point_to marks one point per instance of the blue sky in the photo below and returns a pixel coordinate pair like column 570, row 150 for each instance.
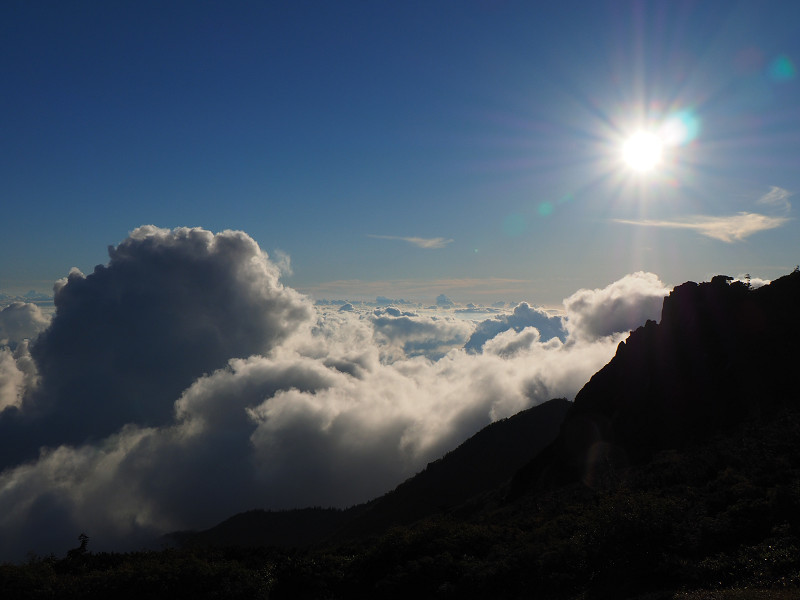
column 405, row 149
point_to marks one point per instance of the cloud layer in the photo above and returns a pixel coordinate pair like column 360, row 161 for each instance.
column 199, row 386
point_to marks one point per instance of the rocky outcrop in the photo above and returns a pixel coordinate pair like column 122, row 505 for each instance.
column 721, row 354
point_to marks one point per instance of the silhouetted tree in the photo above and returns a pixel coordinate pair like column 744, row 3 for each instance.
column 81, row 549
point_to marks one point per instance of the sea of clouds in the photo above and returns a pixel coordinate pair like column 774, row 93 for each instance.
column 182, row 382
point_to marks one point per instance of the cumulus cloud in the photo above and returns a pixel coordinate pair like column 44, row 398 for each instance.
column 169, row 306
column 619, row 307
column 443, row 301
column 426, row 243
column 19, row 321
column 524, row 316
column 312, row 407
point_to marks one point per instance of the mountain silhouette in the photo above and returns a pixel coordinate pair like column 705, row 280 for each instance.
column 722, row 353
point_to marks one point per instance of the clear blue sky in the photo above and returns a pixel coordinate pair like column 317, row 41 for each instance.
column 350, row 134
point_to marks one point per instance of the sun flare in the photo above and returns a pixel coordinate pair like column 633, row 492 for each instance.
column 642, row 151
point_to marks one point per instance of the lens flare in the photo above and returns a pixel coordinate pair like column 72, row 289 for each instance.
column 680, row 128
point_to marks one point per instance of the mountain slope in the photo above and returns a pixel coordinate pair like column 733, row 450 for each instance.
column 480, row 464
column 722, row 354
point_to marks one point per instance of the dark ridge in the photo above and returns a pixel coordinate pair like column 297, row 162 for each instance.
column 722, row 354
column 481, row 464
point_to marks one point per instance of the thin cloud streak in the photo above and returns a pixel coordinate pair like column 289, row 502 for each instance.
column 426, row 243
column 730, row 229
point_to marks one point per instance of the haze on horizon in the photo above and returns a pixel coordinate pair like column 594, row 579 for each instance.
column 188, row 179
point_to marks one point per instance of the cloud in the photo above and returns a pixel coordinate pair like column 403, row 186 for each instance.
column 383, row 300
column 733, row 228
column 619, row 307
column 443, row 301
column 524, row 316
column 427, row 243
column 305, row 406
column 777, row 198
column 125, row 340
column 431, row 336
column 755, row 282
column 510, row 342
column 17, row 374
column 19, row 321
column 283, row 261
column 727, row 229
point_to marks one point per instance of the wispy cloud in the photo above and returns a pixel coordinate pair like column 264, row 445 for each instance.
column 427, row 243
column 777, row 198
column 734, row 228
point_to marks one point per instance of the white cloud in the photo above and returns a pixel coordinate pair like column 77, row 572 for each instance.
column 281, row 432
column 329, row 410
column 730, row 228
column 19, row 321
column 522, row 317
column 755, row 282
column 427, row 243
column 726, row 229
column 618, row 307
column 443, row 301
column 169, row 306
column 777, row 198
column 431, row 336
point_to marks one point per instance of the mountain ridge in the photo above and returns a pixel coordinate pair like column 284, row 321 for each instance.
column 722, row 353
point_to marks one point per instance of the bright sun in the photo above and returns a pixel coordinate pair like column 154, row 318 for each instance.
column 642, row 151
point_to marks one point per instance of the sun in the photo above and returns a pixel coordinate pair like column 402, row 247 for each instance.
column 643, row 151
